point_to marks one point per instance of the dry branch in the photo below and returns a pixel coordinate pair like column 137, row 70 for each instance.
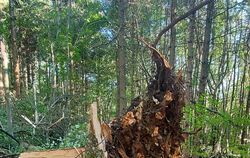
column 192, row 11
column 55, row 123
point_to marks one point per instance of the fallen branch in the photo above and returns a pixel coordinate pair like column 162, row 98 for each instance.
column 29, row 121
column 53, row 124
column 1, row 130
column 192, row 11
column 193, row 132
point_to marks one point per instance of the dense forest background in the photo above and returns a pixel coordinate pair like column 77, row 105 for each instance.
column 59, row 56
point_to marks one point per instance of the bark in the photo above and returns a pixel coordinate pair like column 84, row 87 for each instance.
column 245, row 114
column 190, row 67
column 53, row 78
column 23, row 76
column 34, row 90
column 2, row 94
column 190, row 53
column 121, row 98
column 67, row 61
column 72, row 85
column 173, row 34
column 246, row 129
column 166, row 41
column 234, row 80
column 28, row 67
column 14, row 49
column 204, row 62
column 68, row 50
column 134, row 50
column 6, row 87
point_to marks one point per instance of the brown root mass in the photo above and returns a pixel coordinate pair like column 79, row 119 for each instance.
column 151, row 127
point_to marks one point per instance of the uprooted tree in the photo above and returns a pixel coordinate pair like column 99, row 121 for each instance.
column 151, row 127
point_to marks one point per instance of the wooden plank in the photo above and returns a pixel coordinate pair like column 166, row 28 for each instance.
column 60, row 153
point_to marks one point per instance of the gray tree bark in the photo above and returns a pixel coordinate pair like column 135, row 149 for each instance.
column 190, row 53
column 204, row 62
column 173, row 34
column 2, row 94
column 121, row 98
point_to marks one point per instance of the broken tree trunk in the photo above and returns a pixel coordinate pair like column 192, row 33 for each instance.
column 152, row 127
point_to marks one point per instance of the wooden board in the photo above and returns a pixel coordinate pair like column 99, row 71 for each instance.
column 61, row 153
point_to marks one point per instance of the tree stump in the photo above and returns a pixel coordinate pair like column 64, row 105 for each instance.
column 151, row 127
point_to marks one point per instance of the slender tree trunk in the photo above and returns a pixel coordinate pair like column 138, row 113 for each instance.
column 34, row 89
column 28, row 67
column 23, row 76
column 72, row 85
column 190, row 53
column 121, row 98
column 53, row 78
column 58, row 9
column 2, row 94
column 190, row 66
column 6, row 87
column 68, row 58
column 173, row 34
column 245, row 114
column 14, row 49
column 134, row 51
column 204, row 62
column 165, row 46
column 245, row 130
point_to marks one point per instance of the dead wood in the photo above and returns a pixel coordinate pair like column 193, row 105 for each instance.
column 151, row 128
column 192, row 11
column 98, row 130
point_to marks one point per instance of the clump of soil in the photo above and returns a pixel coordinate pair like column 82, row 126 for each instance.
column 151, row 127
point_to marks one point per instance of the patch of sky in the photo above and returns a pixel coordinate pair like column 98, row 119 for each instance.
column 107, row 32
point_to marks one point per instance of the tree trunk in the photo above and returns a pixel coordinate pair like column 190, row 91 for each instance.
column 34, row 89
column 173, row 34
column 134, row 51
column 14, row 49
column 6, row 87
column 2, row 94
column 166, row 40
column 190, row 66
column 121, row 98
column 204, row 62
column 190, row 53
column 68, row 59
column 53, row 77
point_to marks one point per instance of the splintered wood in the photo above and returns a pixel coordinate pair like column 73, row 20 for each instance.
column 60, row 153
column 97, row 129
column 151, row 127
